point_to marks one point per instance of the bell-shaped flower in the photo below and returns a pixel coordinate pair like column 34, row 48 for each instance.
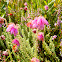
column 15, row 41
column 40, row 36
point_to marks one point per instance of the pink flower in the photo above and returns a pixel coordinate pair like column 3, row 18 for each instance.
column 25, row 8
column 0, row 25
column 35, row 60
column 54, row 37
column 34, row 23
column 2, row 20
column 5, row 53
column 42, row 20
column 46, row 7
column 12, row 29
column 40, row 36
column 21, row 8
column 58, row 22
column 15, row 41
column 48, row 26
column 25, row 3
column 55, row 24
column 10, row 26
column 61, row 21
column 38, row 22
column 41, row 27
column 35, row 20
column 2, row 37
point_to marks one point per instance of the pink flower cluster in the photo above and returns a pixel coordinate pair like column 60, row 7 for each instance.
column 12, row 29
column 15, row 41
column 35, row 60
column 38, row 22
column 40, row 36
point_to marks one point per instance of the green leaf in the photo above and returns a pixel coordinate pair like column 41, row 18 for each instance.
column 45, row 2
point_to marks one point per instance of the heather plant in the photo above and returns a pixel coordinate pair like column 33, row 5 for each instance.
column 30, row 31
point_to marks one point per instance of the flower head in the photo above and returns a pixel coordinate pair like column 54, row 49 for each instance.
column 61, row 21
column 21, row 8
column 42, row 20
column 2, row 37
column 15, row 41
column 35, row 60
column 54, row 37
column 12, row 29
column 5, row 53
column 46, row 7
column 25, row 3
column 25, row 8
column 40, row 36
column 38, row 22
column 34, row 23
column 10, row 26
column 55, row 24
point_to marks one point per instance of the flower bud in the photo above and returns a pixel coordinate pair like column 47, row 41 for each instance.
column 2, row 37
column 25, row 8
column 55, row 24
column 54, row 37
column 25, row 3
column 34, row 30
column 46, row 7
column 21, row 8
